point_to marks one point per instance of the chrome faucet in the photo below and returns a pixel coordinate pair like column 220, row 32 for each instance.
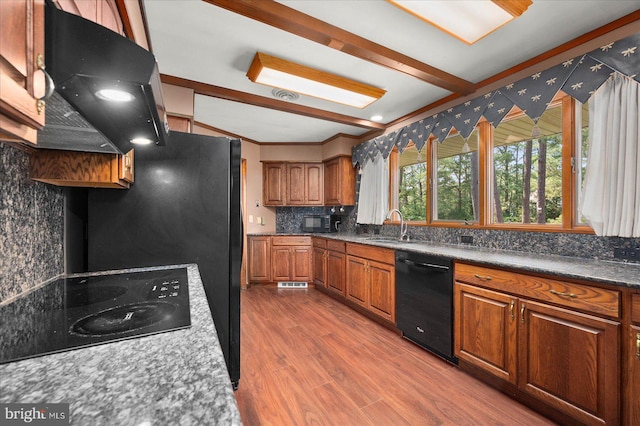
column 404, row 231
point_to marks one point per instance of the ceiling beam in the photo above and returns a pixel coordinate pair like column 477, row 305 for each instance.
column 264, row 102
column 310, row 28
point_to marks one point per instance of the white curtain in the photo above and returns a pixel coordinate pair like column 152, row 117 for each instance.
column 373, row 199
column 611, row 193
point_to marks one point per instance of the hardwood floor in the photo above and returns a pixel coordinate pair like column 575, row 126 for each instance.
column 306, row 359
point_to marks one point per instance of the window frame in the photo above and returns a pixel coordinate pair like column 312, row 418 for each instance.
column 570, row 186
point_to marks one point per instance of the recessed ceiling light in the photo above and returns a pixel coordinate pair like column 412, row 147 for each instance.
column 115, row 95
column 141, row 141
column 467, row 20
column 280, row 73
column 376, row 117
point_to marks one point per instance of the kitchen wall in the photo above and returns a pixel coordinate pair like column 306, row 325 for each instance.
column 31, row 226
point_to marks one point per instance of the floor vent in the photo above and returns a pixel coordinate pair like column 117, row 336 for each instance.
column 292, row 284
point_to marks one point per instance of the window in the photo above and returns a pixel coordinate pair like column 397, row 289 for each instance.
column 455, row 192
column 499, row 178
column 412, row 184
column 527, row 170
column 582, row 148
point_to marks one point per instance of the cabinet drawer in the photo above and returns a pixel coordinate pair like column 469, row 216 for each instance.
column 583, row 297
column 635, row 308
column 291, row 241
column 338, row 246
column 319, row 242
column 373, row 253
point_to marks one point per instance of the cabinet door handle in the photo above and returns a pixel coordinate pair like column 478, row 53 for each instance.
column 511, row 305
column 522, row 308
column 558, row 293
column 638, row 345
column 50, row 86
column 482, row 277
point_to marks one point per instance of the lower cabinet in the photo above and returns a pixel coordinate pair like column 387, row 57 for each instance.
column 291, row 259
column 370, row 279
column 319, row 262
column 259, row 259
column 336, row 264
column 510, row 326
column 485, row 330
column 633, row 380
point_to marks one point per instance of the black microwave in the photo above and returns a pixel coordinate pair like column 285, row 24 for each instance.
column 320, row 223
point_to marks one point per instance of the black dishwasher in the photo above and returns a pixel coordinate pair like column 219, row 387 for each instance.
column 424, row 301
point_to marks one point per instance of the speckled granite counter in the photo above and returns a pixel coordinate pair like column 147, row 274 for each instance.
column 614, row 273
column 172, row 378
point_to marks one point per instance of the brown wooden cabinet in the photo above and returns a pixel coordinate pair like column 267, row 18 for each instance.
column 553, row 340
column 486, row 330
column 273, row 184
column 305, row 184
column 82, row 169
column 259, row 259
column 336, row 268
column 633, row 349
column 21, row 81
column 339, row 182
column 319, row 261
column 370, row 279
column 357, row 280
column 292, row 184
column 291, row 259
column 570, row 361
column 102, row 12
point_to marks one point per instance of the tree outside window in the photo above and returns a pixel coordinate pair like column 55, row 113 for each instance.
column 455, row 193
column 412, row 185
column 527, row 169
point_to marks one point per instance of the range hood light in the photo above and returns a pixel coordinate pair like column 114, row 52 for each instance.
column 115, row 95
column 141, row 141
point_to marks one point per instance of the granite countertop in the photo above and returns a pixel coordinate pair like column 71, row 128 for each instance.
column 172, row 378
column 602, row 271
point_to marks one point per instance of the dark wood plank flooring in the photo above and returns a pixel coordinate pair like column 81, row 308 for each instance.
column 306, row 359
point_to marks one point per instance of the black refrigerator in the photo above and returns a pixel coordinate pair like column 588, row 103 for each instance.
column 184, row 207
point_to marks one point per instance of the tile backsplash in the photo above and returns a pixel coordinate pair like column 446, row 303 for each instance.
column 288, row 220
column 31, row 226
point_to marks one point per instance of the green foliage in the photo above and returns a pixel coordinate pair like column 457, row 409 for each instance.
column 509, row 171
column 412, row 197
column 454, row 191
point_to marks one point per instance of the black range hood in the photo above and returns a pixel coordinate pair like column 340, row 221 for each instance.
column 83, row 58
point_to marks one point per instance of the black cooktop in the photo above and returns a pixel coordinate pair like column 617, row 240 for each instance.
column 82, row 311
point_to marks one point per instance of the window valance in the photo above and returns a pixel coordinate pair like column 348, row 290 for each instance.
column 579, row 78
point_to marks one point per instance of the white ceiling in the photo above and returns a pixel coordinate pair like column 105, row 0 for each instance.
column 195, row 40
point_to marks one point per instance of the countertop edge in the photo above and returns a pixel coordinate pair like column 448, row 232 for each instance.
column 592, row 270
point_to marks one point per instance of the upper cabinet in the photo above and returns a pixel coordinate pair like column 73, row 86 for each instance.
column 103, row 12
column 339, row 182
column 304, row 184
column 273, row 184
column 292, row 184
column 309, row 184
column 22, row 82
column 84, row 169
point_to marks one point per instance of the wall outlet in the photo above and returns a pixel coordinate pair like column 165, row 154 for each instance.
column 466, row 239
column 620, row 253
column 627, row 253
